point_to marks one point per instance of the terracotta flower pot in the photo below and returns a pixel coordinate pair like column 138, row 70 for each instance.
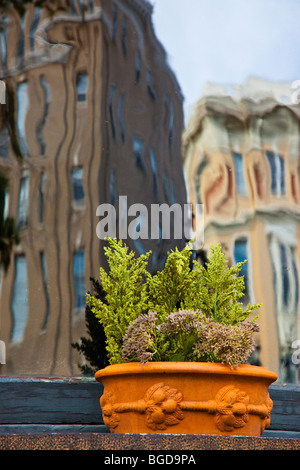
column 186, row 398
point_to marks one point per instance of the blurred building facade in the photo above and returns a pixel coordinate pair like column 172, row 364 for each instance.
column 93, row 112
column 242, row 162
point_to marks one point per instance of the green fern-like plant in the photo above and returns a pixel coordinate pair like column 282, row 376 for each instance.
column 168, row 288
column 216, row 290
column 126, row 295
column 178, row 313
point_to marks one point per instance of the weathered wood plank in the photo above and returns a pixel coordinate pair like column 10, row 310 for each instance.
column 61, row 401
column 286, row 407
column 52, row 428
column 49, row 401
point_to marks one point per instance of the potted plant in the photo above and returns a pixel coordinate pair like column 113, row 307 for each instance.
column 177, row 344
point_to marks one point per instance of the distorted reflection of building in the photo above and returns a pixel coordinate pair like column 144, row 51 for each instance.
column 93, row 112
column 242, row 161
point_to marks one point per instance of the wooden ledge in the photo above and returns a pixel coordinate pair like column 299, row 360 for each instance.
column 54, row 413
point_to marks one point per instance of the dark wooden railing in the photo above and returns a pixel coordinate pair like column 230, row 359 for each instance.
column 55, row 413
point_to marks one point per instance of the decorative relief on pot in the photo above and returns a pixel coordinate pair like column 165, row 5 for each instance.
column 164, row 406
column 161, row 405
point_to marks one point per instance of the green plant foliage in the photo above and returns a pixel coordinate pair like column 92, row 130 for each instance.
column 9, row 235
column 168, row 288
column 217, row 290
column 178, row 314
column 126, row 294
column 93, row 347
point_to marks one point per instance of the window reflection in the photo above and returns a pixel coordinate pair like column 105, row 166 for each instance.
column 124, row 37
column 19, row 300
column 138, row 148
column 78, row 191
column 138, row 66
column 33, row 27
column 154, row 170
column 4, row 142
column 247, row 145
column 277, row 173
column 82, row 85
column 3, row 49
column 80, row 106
column 22, row 108
column 150, row 86
column 42, row 197
column 111, row 111
column 21, row 41
column 45, row 285
column 241, row 254
column 120, row 117
column 23, row 202
column 286, row 290
column 79, row 279
column 239, row 173
column 41, row 124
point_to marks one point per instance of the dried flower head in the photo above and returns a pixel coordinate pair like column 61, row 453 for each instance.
column 230, row 344
column 188, row 336
column 139, row 338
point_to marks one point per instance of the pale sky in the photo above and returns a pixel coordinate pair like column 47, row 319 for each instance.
column 226, row 41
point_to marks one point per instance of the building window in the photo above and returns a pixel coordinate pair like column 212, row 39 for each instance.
column 22, row 104
column 33, row 27
column 276, row 163
column 166, row 110
column 115, row 22
column 4, row 141
column 81, row 86
column 239, row 173
column 138, row 148
column 21, row 41
column 91, row 6
column 22, row 218
column 19, row 300
column 172, row 191
column 4, row 195
column 150, row 87
column 286, row 291
column 42, row 122
column 3, row 50
column 285, row 275
column 166, row 188
column 112, row 187
column 42, row 197
column 120, row 117
column 72, row 7
column 124, row 37
column 45, row 280
column 241, row 254
column 171, row 124
column 111, row 111
column 138, row 66
column 77, row 182
column 154, row 171
column 79, row 279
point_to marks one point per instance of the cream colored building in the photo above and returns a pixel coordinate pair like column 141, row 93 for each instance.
column 93, row 113
column 242, row 162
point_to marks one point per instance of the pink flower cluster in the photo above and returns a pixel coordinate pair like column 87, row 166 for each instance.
column 148, row 339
